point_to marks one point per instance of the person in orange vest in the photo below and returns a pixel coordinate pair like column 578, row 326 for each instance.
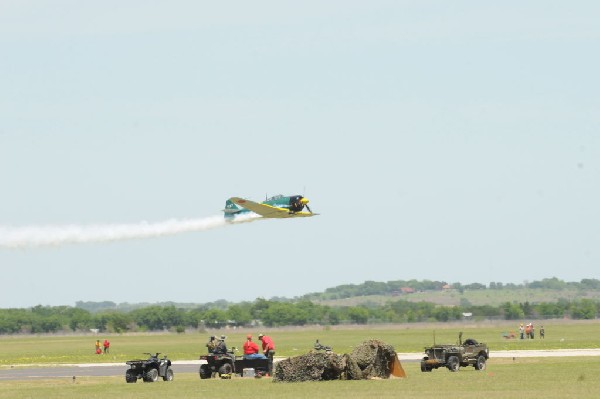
column 98, row 350
column 529, row 331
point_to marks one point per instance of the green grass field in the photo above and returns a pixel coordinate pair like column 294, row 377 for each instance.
column 538, row 377
column 18, row 350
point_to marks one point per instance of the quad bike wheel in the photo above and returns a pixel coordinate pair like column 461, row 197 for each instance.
column 205, row 372
column 130, row 377
column 225, row 370
column 168, row 374
column 151, row 375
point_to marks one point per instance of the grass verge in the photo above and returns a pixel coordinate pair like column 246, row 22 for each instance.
column 548, row 378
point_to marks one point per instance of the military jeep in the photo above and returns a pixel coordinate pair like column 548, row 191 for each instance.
column 463, row 354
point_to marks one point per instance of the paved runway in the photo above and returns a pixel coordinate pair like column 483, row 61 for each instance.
column 30, row 373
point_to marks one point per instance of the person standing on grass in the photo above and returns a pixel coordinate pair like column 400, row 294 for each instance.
column 542, row 332
column 98, row 350
column 521, row 331
column 106, row 345
column 268, row 347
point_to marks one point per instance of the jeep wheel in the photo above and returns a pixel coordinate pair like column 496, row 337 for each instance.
column 480, row 365
column 130, row 376
column 168, row 374
column 151, row 375
column 423, row 367
column 453, row 363
column 225, row 369
column 205, row 372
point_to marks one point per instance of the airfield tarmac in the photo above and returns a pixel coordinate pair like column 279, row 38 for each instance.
column 29, row 372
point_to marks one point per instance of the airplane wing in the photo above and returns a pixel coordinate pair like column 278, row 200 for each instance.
column 268, row 211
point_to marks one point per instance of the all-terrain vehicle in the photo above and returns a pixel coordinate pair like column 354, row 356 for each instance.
column 226, row 364
column 468, row 353
column 149, row 370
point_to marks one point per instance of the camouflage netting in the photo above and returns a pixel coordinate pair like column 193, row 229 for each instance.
column 373, row 357
column 313, row 366
column 368, row 360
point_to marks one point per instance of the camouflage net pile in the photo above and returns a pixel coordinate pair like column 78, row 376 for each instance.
column 369, row 360
column 373, row 358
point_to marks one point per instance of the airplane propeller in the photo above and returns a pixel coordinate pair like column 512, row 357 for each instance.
column 304, row 202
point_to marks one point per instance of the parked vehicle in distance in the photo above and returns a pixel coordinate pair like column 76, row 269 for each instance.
column 226, row 364
column 467, row 353
column 149, row 370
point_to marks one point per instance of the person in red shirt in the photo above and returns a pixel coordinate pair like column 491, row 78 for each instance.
column 251, row 349
column 268, row 348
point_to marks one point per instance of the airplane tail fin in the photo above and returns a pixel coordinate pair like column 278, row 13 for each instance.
column 231, row 209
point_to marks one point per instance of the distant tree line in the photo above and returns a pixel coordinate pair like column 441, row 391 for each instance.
column 398, row 286
column 51, row 319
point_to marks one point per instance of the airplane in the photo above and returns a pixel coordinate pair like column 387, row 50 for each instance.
column 278, row 206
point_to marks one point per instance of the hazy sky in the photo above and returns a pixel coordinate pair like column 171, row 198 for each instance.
column 455, row 141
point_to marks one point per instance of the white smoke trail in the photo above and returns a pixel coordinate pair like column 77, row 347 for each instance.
column 35, row 236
